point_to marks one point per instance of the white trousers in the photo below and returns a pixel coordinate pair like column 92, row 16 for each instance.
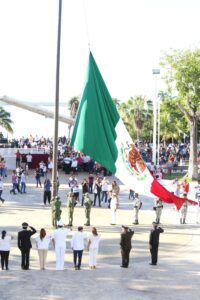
column 113, row 215
column 93, row 257
column 60, row 257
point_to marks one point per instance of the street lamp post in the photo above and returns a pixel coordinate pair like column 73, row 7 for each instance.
column 155, row 72
column 56, row 111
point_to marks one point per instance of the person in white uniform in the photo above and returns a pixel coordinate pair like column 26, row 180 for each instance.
column 113, row 206
column 93, row 247
column 42, row 243
column 59, row 242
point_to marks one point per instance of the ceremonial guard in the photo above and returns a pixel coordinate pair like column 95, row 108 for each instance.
column 158, row 209
column 137, row 206
column 88, row 205
column 56, row 211
column 70, row 207
column 59, row 241
column 154, row 242
column 126, row 246
column 184, row 209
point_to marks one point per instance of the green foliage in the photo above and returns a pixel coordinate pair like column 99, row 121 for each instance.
column 137, row 117
column 73, row 106
column 5, row 120
column 183, row 79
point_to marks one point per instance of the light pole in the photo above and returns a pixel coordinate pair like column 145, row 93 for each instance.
column 56, row 111
column 155, row 72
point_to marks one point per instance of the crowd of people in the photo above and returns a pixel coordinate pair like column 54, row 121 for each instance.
column 58, row 238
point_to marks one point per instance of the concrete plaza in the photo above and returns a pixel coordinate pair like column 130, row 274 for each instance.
column 177, row 275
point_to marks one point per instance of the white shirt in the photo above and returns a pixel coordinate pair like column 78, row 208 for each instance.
column 76, row 189
column 74, row 163
column 77, row 242
column 94, row 241
column 59, row 235
column 29, row 158
column 104, row 186
column 5, row 243
column 44, row 243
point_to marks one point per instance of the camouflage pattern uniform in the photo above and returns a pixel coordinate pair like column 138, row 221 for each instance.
column 88, row 205
column 70, row 207
column 56, row 211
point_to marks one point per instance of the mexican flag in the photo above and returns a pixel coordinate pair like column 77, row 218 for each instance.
column 100, row 133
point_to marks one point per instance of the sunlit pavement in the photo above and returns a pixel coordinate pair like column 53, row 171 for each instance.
column 177, row 275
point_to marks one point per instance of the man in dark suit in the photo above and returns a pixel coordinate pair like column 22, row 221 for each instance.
column 24, row 244
column 154, row 242
column 126, row 246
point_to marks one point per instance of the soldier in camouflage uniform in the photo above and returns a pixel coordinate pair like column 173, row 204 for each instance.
column 184, row 209
column 88, row 205
column 70, row 207
column 56, row 211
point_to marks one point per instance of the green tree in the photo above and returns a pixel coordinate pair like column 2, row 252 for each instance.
column 183, row 79
column 173, row 125
column 73, row 108
column 5, row 120
column 136, row 116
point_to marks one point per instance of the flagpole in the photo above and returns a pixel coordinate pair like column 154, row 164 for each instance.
column 56, row 111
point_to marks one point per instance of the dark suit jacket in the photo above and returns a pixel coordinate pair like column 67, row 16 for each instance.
column 154, row 236
column 125, row 242
column 24, row 238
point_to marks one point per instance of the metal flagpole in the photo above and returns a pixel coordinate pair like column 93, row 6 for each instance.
column 56, row 111
column 155, row 72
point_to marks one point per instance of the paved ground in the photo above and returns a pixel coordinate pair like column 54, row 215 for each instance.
column 177, row 275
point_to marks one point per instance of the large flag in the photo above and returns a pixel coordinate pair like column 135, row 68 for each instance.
column 100, row 133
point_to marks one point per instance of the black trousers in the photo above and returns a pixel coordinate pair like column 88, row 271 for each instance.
column 78, row 254
column 25, row 258
column 125, row 257
column 154, row 254
column 4, row 259
column 95, row 197
column 90, row 187
column 47, row 196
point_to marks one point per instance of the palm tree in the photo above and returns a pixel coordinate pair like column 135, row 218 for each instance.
column 135, row 112
column 5, row 120
column 73, row 106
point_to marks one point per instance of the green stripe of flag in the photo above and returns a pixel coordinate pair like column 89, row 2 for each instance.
column 94, row 130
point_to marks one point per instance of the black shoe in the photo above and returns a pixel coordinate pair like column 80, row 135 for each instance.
column 152, row 264
column 123, row 267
